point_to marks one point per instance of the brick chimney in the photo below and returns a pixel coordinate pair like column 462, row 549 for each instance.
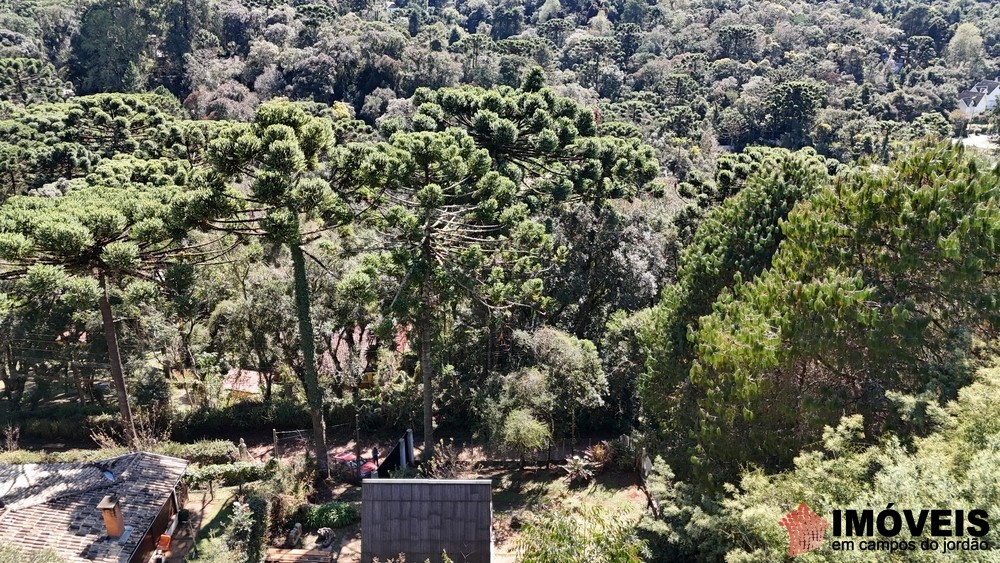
column 114, row 523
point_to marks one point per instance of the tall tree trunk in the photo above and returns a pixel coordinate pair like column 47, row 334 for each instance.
column 307, row 343
column 168, row 376
column 572, row 431
column 74, row 374
column 268, row 386
column 591, row 296
column 264, row 367
column 115, row 358
column 425, row 334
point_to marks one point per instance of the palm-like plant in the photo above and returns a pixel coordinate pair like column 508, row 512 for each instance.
column 578, row 470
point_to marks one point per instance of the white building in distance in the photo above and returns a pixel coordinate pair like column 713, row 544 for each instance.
column 980, row 99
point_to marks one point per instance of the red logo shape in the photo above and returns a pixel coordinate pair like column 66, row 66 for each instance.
column 805, row 530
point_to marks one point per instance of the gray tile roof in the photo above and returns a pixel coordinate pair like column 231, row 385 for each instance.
column 54, row 505
column 970, row 97
column 987, row 86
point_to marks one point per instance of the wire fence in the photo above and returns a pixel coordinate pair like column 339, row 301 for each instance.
column 288, row 442
column 293, row 442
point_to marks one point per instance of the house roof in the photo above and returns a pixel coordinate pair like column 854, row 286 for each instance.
column 54, row 505
column 987, row 86
column 970, row 97
column 243, row 381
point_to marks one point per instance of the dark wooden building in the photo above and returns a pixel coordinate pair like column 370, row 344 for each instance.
column 422, row 518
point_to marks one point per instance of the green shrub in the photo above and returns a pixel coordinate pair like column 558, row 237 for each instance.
column 292, row 478
column 624, row 456
column 331, row 515
column 214, row 550
column 446, row 463
column 23, row 456
column 241, row 417
column 81, row 456
column 55, row 429
column 239, row 527
column 201, row 452
column 228, row 474
column 246, row 532
column 285, row 511
column 257, row 543
column 613, row 454
column 64, row 421
column 69, row 456
column 408, row 472
column 523, row 432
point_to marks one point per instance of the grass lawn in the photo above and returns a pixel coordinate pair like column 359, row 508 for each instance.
column 211, row 514
column 533, row 489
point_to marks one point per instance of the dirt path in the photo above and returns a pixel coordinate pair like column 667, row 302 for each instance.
column 984, row 142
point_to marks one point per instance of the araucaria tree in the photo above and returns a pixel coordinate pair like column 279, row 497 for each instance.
column 469, row 180
column 97, row 237
column 275, row 169
column 455, row 229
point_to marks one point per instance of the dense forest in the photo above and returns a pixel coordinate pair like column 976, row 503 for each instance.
column 734, row 231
